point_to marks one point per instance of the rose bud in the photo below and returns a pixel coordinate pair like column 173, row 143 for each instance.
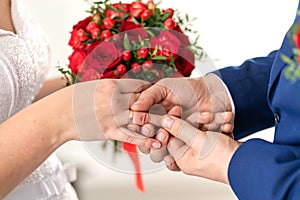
column 127, row 55
column 91, row 26
column 136, row 67
column 81, row 35
column 95, row 33
column 129, row 19
column 116, row 38
column 121, row 69
column 106, row 34
column 171, row 11
column 76, row 61
column 143, row 52
column 96, row 18
column 150, row 5
column 146, row 14
column 110, row 13
column 108, row 23
column 169, row 24
column 147, row 65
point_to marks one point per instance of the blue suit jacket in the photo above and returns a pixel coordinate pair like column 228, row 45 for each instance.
column 264, row 97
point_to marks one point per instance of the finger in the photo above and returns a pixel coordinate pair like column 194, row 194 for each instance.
column 180, row 129
column 148, row 130
column 126, row 135
column 197, row 119
column 144, row 150
column 223, row 117
column 157, row 155
column 149, row 97
column 134, row 128
column 141, row 118
column 175, row 111
column 227, row 128
column 132, row 85
column 176, row 148
column 224, row 128
column 171, row 164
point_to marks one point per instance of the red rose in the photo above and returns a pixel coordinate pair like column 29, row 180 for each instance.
column 89, row 74
column 167, row 43
column 137, row 8
column 109, row 74
column 83, row 23
column 92, row 46
column 104, row 57
column 136, row 31
column 185, row 62
column 75, row 40
column 169, row 24
column 76, row 61
column 91, row 25
column 182, row 37
column 121, row 8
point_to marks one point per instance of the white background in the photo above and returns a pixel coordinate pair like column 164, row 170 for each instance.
column 230, row 31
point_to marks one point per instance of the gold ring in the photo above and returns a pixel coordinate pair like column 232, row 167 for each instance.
column 137, row 96
column 130, row 117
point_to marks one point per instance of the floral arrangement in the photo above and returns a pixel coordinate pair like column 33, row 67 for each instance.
column 131, row 40
column 292, row 71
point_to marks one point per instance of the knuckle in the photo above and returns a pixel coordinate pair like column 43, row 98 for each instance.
column 130, row 139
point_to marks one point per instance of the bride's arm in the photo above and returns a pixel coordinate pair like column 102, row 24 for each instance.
column 95, row 110
column 27, row 139
column 51, row 85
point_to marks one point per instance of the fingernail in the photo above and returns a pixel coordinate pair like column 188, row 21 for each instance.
column 167, row 122
column 167, row 163
column 204, row 113
column 145, row 131
column 161, row 137
column 223, row 113
column 138, row 102
column 156, row 145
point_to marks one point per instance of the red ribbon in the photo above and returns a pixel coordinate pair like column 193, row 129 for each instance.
column 131, row 149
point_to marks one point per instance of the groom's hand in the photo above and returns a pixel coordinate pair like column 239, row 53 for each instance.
column 205, row 154
column 204, row 101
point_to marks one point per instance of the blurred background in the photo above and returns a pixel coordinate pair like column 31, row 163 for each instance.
column 230, row 32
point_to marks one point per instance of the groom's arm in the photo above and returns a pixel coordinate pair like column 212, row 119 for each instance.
column 248, row 85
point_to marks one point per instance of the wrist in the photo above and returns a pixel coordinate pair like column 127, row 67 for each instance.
column 218, row 91
column 57, row 115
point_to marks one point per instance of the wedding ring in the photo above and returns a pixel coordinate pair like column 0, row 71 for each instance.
column 130, row 117
column 137, row 96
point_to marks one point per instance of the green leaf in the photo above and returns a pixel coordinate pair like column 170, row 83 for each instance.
column 159, row 58
column 126, row 42
column 165, row 16
column 172, row 61
column 134, row 20
column 286, row 59
column 154, row 71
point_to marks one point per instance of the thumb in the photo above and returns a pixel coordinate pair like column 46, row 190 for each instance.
column 180, row 129
column 203, row 141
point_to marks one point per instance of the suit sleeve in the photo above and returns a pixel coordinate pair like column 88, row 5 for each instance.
column 248, row 86
column 270, row 172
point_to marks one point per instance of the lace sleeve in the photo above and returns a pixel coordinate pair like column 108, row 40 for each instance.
column 7, row 92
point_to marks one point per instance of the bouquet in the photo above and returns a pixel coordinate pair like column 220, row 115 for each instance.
column 131, row 40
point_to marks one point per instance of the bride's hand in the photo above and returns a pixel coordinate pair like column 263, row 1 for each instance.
column 99, row 110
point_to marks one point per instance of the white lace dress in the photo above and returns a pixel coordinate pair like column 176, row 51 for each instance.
column 24, row 62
